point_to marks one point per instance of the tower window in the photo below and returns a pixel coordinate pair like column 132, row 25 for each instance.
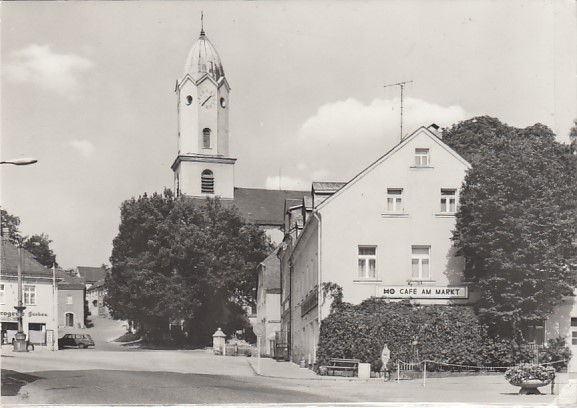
column 207, row 182
column 206, row 138
column 188, row 100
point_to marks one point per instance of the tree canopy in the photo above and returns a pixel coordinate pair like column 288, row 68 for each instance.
column 176, row 259
column 516, row 224
column 37, row 245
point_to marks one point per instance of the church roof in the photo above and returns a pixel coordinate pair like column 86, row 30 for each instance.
column 203, row 59
column 263, row 207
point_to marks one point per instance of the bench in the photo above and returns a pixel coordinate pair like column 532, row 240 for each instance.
column 341, row 365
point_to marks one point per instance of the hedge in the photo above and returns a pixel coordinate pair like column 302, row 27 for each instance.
column 447, row 334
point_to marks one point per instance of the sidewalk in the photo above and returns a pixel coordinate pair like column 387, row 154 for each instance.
column 269, row 367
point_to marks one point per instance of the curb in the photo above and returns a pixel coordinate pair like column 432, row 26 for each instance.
column 316, row 378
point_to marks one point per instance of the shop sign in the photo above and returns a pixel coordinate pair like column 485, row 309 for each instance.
column 8, row 316
column 423, row 292
column 37, row 314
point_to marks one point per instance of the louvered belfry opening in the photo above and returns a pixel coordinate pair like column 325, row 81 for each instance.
column 207, row 182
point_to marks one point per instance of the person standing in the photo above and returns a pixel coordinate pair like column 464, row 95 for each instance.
column 385, row 357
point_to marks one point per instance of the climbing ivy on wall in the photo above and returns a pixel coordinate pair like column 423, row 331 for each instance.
column 448, row 334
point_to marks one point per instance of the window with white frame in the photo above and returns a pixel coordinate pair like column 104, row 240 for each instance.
column 422, row 157
column 29, row 294
column 420, row 263
column 395, row 200
column 1, row 293
column 367, row 261
column 69, row 299
column 448, row 200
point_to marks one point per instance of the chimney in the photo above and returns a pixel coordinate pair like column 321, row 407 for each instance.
column 433, row 127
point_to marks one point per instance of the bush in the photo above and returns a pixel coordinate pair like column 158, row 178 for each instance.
column 557, row 352
column 447, row 334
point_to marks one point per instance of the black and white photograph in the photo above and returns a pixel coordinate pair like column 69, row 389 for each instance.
column 277, row 203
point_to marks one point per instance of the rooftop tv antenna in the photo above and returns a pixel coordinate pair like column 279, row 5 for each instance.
column 402, row 85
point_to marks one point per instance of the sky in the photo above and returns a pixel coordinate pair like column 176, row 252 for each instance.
column 87, row 88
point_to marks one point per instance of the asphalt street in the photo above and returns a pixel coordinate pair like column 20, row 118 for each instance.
column 113, row 374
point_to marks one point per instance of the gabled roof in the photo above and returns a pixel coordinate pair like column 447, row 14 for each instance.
column 30, row 266
column 433, row 135
column 91, row 274
column 69, row 282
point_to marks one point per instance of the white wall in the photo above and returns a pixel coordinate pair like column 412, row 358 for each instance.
column 43, row 311
column 359, row 216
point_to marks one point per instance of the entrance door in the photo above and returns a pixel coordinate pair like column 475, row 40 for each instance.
column 70, row 319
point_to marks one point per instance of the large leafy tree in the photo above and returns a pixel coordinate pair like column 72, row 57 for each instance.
column 516, row 225
column 174, row 258
column 39, row 247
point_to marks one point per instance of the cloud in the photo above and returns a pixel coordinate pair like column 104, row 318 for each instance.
column 39, row 65
column 84, row 147
column 344, row 137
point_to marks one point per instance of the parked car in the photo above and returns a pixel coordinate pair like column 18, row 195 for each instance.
column 76, row 340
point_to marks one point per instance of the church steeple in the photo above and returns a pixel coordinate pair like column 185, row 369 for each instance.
column 202, row 166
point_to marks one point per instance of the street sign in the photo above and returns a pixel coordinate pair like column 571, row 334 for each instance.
column 258, row 329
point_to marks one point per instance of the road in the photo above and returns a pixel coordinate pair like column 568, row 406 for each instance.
column 113, row 374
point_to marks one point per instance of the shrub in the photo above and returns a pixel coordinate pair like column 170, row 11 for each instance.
column 447, row 334
column 556, row 351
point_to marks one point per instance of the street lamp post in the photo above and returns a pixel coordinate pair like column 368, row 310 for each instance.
column 20, row 337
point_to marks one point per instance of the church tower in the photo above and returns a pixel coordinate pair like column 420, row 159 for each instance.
column 202, row 167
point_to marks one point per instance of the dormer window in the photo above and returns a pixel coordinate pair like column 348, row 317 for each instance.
column 207, row 182
column 422, row 158
column 206, row 138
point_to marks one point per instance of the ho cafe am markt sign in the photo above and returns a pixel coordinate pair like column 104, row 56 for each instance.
column 422, row 292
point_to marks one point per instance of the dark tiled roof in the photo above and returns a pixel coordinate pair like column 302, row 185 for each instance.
column 97, row 284
column 69, row 282
column 30, row 266
column 263, row 207
column 91, row 274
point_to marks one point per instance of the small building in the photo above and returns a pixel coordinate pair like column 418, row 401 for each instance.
column 95, row 298
column 71, row 301
column 386, row 233
column 39, row 296
column 268, row 302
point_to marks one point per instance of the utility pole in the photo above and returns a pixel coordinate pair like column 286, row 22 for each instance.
column 402, row 85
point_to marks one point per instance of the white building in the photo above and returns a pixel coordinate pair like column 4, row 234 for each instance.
column 268, row 302
column 39, row 296
column 386, row 233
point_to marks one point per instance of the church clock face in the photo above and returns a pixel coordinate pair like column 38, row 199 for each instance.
column 207, row 99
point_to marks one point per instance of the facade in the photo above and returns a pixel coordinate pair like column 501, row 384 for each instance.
column 386, row 233
column 95, row 299
column 39, row 296
column 71, row 298
column 268, row 302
